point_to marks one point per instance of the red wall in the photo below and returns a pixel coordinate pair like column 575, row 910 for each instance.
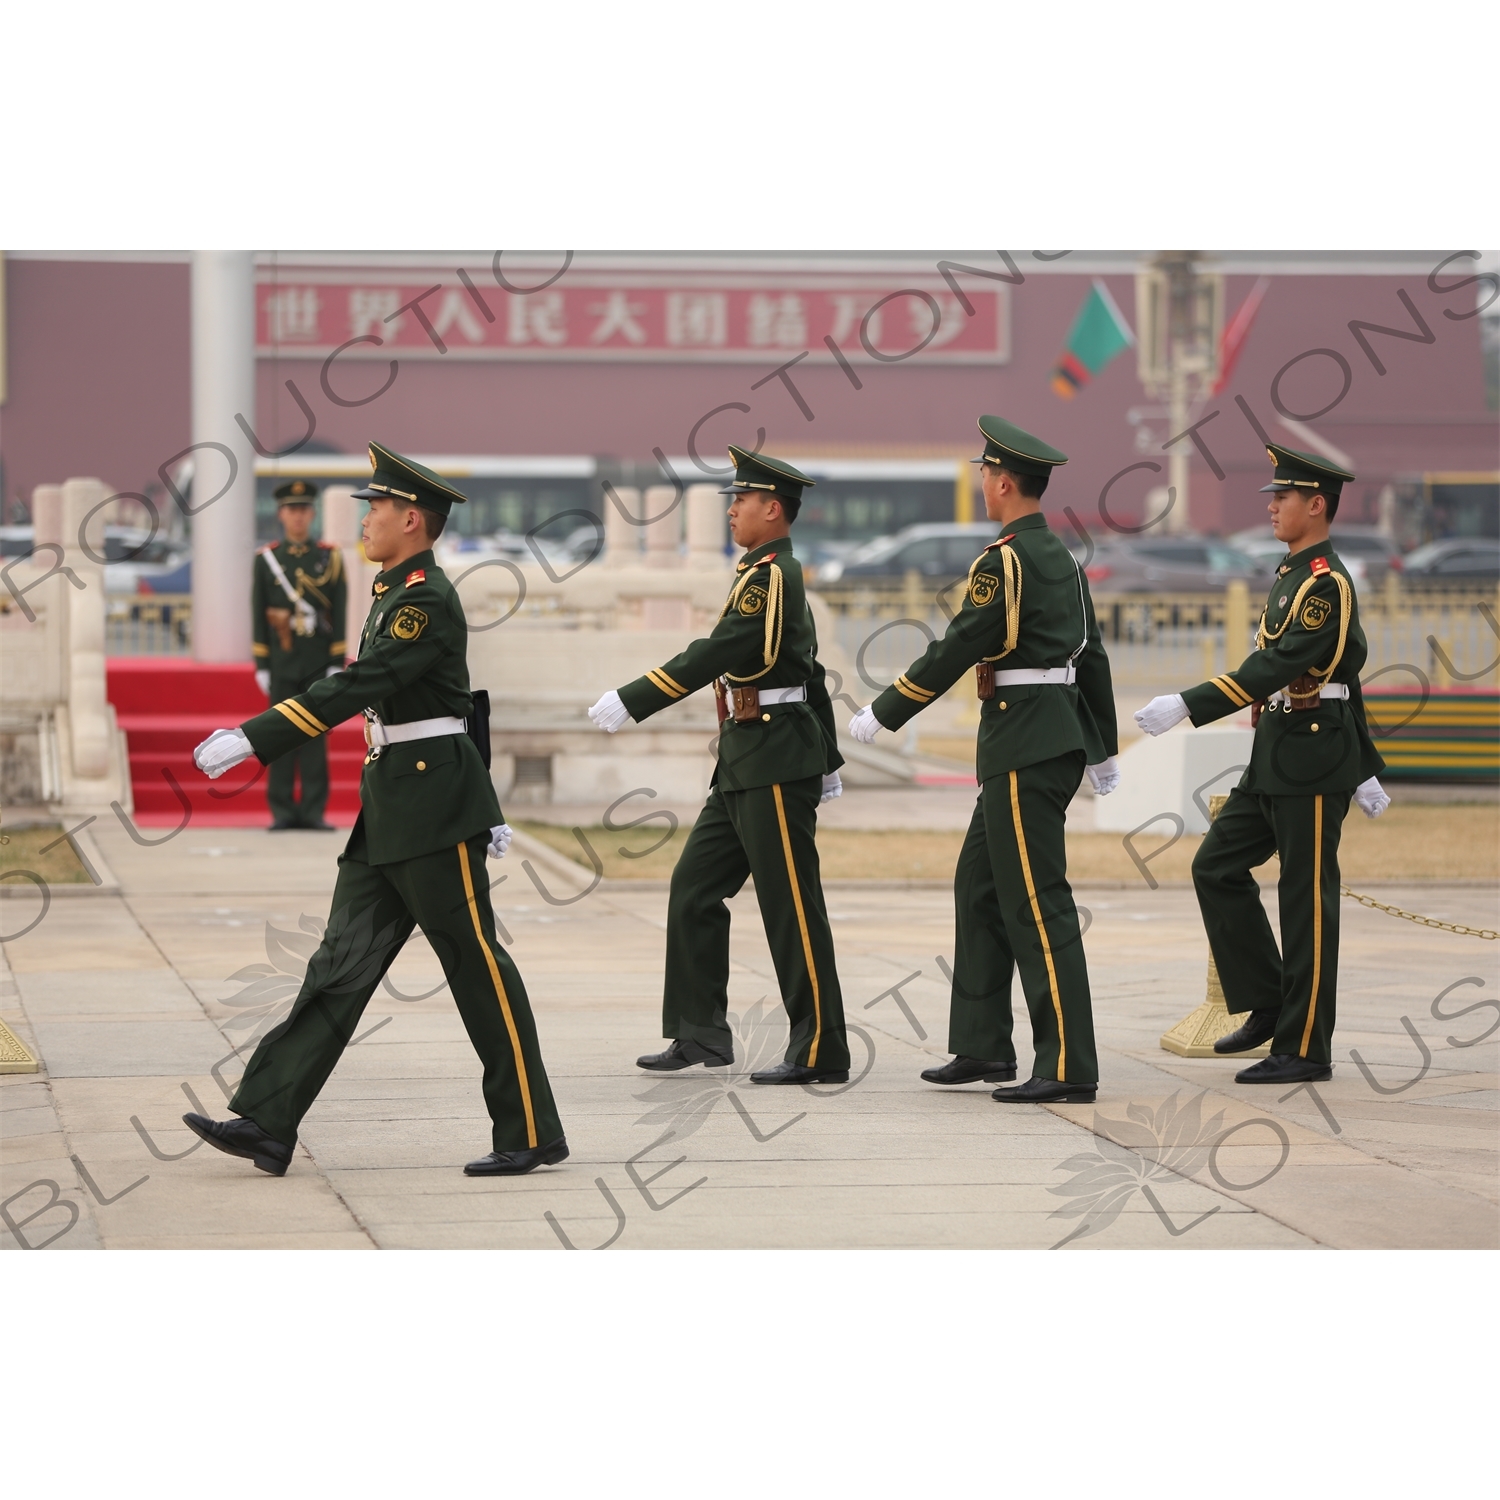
column 100, row 385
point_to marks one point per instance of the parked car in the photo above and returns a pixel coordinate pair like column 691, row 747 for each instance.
column 1368, row 553
column 139, row 563
column 937, row 550
column 1455, row 559
column 1173, row 564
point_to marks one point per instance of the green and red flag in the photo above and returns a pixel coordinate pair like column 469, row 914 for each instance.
column 1099, row 333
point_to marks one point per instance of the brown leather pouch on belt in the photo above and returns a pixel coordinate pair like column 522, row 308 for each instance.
column 1304, row 693
column 1256, row 710
column 984, row 680
column 721, row 707
column 746, row 704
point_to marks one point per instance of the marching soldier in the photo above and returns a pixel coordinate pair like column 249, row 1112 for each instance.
column 777, row 760
column 415, row 857
column 297, row 618
column 1312, row 752
column 1047, row 714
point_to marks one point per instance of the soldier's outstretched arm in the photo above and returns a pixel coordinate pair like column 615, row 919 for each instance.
column 1096, row 686
column 418, row 635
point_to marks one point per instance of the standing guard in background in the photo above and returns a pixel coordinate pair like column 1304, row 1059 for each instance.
column 297, row 608
column 777, row 760
column 1312, row 752
column 416, row 857
column 1047, row 714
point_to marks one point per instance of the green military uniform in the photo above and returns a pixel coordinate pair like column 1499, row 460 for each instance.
column 309, row 641
column 1027, row 608
column 761, row 815
column 1311, row 750
column 416, row 856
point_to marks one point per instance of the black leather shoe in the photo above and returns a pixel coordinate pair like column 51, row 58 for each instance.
column 682, row 1054
column 282, row 827
column 320, row 827
column 785, row 1072
column 243, row 1138
column 1284, row 1069
column 1260, row 1026
column 515, row 1163
column 970, row 1070
column 1048, row 1091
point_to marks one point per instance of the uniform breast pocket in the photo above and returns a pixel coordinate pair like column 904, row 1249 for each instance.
column 424, row 757
column 1016, row 698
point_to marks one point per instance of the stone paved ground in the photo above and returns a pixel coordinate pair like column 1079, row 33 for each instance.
column 124, row 996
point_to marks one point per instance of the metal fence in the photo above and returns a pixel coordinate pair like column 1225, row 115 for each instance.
column 1451, row 636
column 149, row 625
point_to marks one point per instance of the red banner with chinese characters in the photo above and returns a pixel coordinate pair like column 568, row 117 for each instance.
column 596, row 316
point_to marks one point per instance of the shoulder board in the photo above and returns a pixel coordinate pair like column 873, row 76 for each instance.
column 1003, row 540
column 1319, row 566
column 269, row 547
column 770, row 557
column 417, row 575
column 328, row 545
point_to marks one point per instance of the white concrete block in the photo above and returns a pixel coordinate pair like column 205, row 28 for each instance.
column 1175, row 773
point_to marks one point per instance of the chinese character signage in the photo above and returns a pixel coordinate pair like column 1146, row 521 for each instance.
column 592, row 316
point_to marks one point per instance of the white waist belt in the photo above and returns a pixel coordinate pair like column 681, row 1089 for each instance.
column 784, row 695
column 1328, row 690
column 1022, row 676
column 377, row 733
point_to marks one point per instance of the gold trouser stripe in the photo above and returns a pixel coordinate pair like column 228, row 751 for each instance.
column 812, row 968
column 301, row 718
column 1041, row 927
column 510, row 1021
column 1233, row 691
column 1317, row 973
column 664, row 684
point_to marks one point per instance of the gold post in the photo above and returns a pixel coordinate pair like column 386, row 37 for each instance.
column 1236, row 624
column 963, row 494
column 14, row 1058
column 1195, row 1034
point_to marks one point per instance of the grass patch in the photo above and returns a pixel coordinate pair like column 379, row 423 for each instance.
column 23, row 851
column 1420, row 842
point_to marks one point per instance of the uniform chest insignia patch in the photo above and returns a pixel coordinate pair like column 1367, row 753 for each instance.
column 1320, row 566
column 1281, row 602
column 753, row 600
column 417, row 575
column 409, row 623
column 983, row 588
column 1315, row 613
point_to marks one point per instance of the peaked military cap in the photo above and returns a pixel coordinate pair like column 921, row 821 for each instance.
column 1304, row 471
column 296, row 492
column 759, row 473
column 1009, row 447
column 402, row 479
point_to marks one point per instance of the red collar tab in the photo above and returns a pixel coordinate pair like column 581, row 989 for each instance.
column 417, row 575
column 1320, row 566
column 1003, row 540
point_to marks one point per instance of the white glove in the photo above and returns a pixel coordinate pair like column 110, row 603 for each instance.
column 864, row 726
column 832, row 787
column 1104, row 777
column 1371, row 799
column 609, row 714
column 333, row 671
column 499, row 841
column 263, row 680
column 1160, row 714
column 222, row 751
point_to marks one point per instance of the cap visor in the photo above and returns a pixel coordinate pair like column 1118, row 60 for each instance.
column 1270, row 489
column 369, row 495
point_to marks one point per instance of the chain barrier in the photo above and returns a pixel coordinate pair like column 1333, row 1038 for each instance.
column 1411, row 916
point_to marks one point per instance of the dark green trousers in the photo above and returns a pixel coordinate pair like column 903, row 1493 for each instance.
column 1301, row 980
column 768, row 832
column 310, row 761
column 1015, row 910
column 375, row 908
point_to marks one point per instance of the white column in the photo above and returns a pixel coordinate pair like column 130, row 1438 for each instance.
column 88, row 719
column 341, row 526
column 707, row 527
column 46, row 515
column 622, row 539
column 663, row 537
column 223, row 386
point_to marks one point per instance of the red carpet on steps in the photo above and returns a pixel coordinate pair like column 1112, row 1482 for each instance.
column 167, row 705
